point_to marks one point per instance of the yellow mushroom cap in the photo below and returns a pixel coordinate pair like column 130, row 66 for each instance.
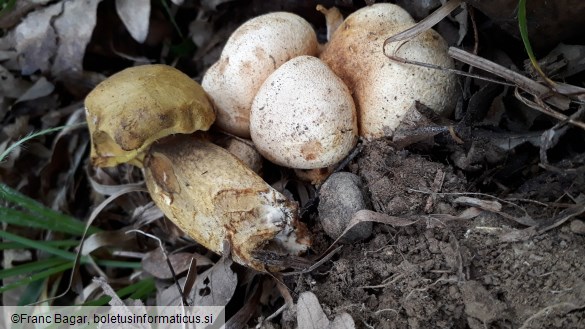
column 137, row 106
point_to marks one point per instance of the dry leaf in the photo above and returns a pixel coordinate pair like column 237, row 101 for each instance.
column 74, row 35
column 107, row 238
column 216, row 286
column 41, row 88
column 135, row 14
column 154, row 263
column 493, row 206
column 10, row 86
column 109, row 291
column 36, row 40
column 310, row 315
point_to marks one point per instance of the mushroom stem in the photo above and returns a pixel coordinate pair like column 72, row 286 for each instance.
column 213, row 196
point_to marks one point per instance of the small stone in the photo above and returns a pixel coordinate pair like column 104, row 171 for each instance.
column 340, row 198
column 578, row 226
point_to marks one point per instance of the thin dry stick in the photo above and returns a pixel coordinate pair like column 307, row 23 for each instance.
column 162, row 248
column 384, row 284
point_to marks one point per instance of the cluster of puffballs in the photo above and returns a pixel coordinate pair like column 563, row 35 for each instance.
column 304, row 104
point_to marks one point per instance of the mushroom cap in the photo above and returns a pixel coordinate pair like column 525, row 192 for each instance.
column 133, row 108
column 385, row 90
column 378, row 16
column 303, row 116
column 251, row 54
column 213, row 196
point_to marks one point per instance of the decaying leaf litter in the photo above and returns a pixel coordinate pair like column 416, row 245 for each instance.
column 478, row 217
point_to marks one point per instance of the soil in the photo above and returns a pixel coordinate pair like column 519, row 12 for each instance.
column 446, row 273
column 450, row 269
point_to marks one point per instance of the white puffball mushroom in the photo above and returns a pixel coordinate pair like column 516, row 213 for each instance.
column 303, row 116
column 251, row 54
column 385, row 90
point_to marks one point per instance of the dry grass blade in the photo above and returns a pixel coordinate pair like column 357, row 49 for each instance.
column 540, row 106
column 191, row 277
column 562, row 217
column 427, row 23
column 522, row 82
column 359, row 217
column 166, row 257
column 92, row 217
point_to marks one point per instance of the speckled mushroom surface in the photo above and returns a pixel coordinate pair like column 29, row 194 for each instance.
column 303, row 116
column 255, row 50
column 385, row 90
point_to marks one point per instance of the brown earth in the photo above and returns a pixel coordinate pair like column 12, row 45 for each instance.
column 442, row 273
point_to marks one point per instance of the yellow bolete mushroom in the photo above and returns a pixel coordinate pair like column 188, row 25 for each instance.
column 213, row 196
column 385, row 90
column 204, row 189
column 133, row 108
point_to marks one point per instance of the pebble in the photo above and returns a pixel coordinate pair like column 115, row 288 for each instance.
column 339, row 198
column 578, row 226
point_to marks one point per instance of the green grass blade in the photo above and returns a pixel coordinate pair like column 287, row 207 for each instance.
column 57, row 243
column 37, row 245
column 523, row 26
column 144, row 286
column 32, row 293
column 20, row 218
column 35, row 135
column 72, row 224
column 25, row 269
column 37, row 276
column 63, row 253
column 118, row 264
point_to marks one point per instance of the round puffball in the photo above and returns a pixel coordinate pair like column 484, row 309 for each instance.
column 303, row 116
column 251, row 54
column 385, row 90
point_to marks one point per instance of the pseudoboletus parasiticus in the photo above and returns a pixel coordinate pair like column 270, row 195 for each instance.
column 205, row 190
